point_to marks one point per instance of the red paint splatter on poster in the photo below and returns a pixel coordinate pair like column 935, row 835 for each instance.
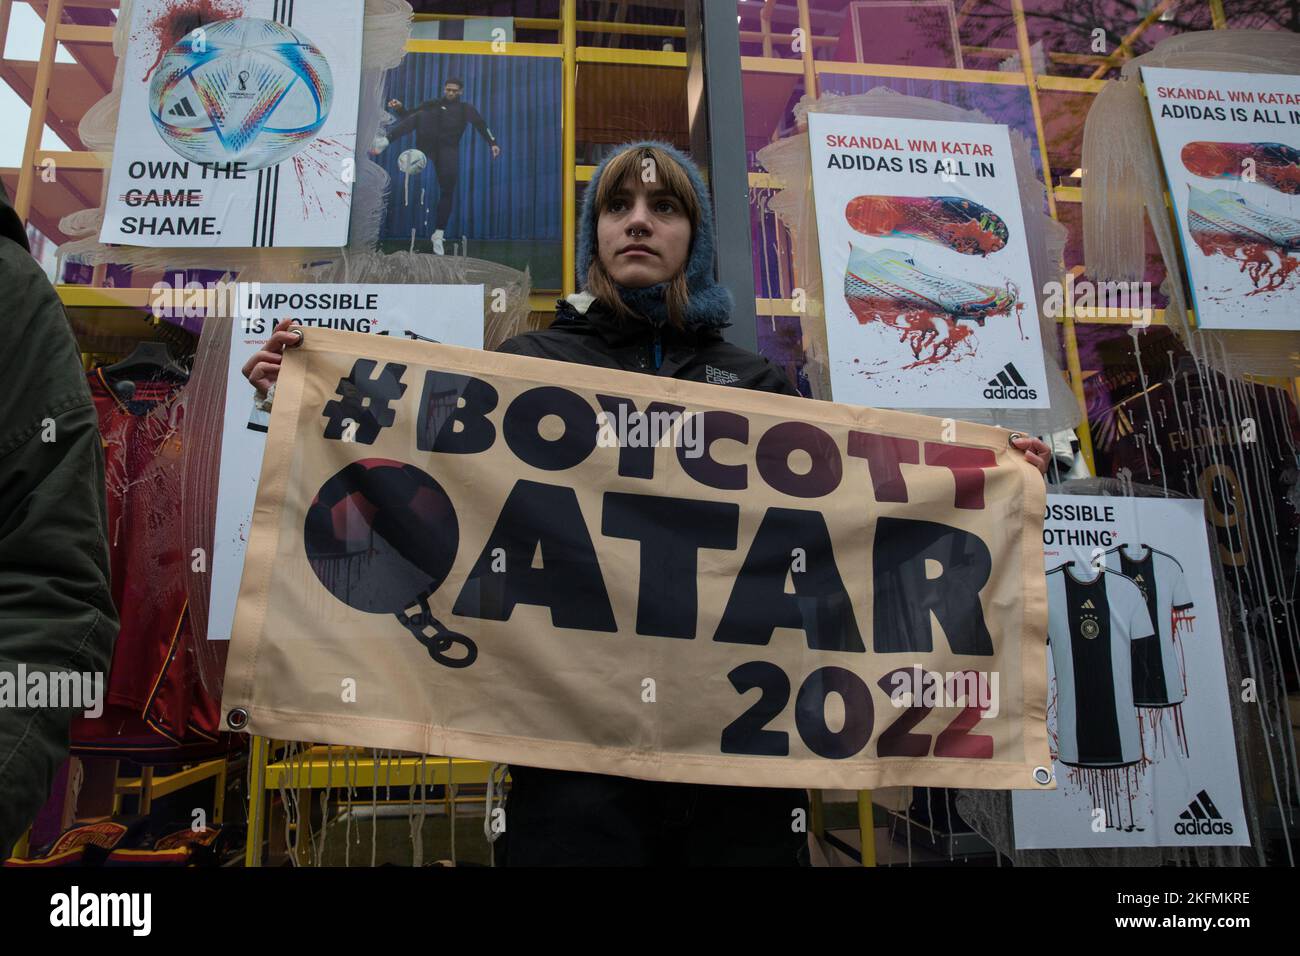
column 1156, row 718
column 179, row 17
column 933, row 337
column 1111, row 790
column 1267, row 266
column 1181, row 621
column 321, row 161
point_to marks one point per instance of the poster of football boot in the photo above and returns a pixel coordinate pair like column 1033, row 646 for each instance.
column 929, row 295
column 1230, row 147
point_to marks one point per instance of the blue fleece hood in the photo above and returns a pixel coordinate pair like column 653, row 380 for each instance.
column 709, row 306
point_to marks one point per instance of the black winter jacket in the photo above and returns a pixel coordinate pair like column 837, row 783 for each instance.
column 56, row 610
column 598, row 337
column 560, row 817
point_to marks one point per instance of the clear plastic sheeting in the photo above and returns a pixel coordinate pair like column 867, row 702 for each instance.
column 505, row 290
column 1122, row 179
column 205, row 399
column 1264, row 747
column 505, row 310
column 788, row 161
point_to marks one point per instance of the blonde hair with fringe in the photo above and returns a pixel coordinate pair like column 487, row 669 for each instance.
column 629, row 163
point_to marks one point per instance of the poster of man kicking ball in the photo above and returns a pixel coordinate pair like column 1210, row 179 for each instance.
column 439, row 126
column 473, row 152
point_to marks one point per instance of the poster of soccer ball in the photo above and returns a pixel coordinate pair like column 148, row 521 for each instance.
column 1230, row 144
column 929, row 294
column 237, row 126
column 395, row 310
column 1138, row 719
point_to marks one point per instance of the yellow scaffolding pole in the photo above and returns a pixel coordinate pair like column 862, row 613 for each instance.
column 806, row 54
column 1084, row 431
column 257, row 755
column 484, row 48
column 6, row 11
column 1075, row 368
column 867, row 828
column 1126, row 42
column 1027, row 65
column 40, row 102
column 1216, row 15
column 569, row 123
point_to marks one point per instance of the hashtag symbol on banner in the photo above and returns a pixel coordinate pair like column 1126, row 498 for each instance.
column 363, row 398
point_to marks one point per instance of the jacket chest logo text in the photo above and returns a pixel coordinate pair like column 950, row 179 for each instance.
column 717, row 376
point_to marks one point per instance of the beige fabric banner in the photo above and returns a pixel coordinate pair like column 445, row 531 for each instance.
column 482, row 555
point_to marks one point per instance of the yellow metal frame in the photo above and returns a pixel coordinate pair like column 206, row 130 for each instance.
column 147, row 787
column 485, row 48
column 338, row 768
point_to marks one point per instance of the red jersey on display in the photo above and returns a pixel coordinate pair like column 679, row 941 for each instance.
column 152, row 678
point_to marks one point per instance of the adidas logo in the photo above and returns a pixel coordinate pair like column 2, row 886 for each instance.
column 1089, row 605
column 1201, row 816
column 183, row 108
column 1009, row 384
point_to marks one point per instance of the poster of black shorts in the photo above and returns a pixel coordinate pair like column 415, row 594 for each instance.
column 474, row 154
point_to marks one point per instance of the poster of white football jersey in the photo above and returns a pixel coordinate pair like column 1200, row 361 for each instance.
column 928, row 290
column 237, row 126
column 1138, row 717
column 450, row 314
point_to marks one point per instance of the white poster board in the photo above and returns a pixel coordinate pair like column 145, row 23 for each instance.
column 929, row 295
column 238, row 130
column 1138, row 718
column 450, row 314
column 1230, row 144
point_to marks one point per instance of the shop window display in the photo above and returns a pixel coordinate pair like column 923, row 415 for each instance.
column 479, row 133
column 1114, row 328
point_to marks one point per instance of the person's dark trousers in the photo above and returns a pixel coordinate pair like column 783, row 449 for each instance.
column 446, row 162
column 556, row 818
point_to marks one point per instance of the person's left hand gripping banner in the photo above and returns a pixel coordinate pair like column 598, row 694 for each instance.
column 516, row 560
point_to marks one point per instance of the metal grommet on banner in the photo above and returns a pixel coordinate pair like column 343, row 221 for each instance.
column 1011, row 439
column 298, row 332
column 1042, row 775
column 237, row 719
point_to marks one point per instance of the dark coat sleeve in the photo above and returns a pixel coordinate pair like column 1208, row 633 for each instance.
column 402, row 126
column 56, row 610
column 476, row 120
column 515, row 345
column 773, row 379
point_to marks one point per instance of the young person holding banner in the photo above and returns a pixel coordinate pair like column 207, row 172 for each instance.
column 650, row 304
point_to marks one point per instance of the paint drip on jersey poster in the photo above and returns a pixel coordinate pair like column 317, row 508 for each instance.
column 928, row 289
column 238, row 124
column 1138, row 717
